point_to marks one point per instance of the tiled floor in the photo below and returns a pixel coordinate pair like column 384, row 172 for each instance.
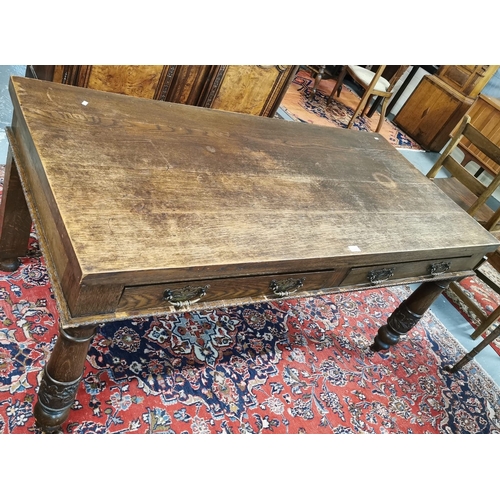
column 423, row 161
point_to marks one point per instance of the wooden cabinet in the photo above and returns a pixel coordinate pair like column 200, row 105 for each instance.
column 467, row 79
column 252, row 89
column 439, row 103
column 431, row 112
column 485, row 116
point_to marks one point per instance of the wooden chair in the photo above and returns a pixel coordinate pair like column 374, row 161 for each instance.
column 373, row 83
column 462, row 186
column 467, row 191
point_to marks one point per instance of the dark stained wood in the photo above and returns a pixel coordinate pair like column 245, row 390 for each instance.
column 408, row 313
column 62, row 376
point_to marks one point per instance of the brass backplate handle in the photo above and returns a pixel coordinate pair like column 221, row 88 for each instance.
column 439, row 268
column 185, row 296
column 380, row 275
column 285, row 287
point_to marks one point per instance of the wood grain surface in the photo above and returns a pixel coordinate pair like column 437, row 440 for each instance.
column 151, row 191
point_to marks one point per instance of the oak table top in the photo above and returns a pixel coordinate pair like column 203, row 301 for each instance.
column 130, row 196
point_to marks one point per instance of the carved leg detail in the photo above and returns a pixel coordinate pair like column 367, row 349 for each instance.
column 61, row 378
column 15, row 219
column 401, row 321
column 408, row 314
column 55, row 400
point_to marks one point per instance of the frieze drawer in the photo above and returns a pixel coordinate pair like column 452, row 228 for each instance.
column 180, row 294
column 378, row 275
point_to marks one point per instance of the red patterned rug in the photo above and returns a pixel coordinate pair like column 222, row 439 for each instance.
column 290, row 366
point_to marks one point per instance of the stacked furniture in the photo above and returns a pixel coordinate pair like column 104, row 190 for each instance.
column 251, row 89
column 440, row 101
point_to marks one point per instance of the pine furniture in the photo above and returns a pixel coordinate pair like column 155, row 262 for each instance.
column 440, row 101
column 485, row 117
column 431, row 113
column 144, row 207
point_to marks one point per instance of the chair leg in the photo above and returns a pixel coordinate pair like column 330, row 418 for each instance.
column 470, row 355
column 338, row 85
column 319, row 76
column 366, row 108
column 486, row 324
column 382, row 114
column 361, row 105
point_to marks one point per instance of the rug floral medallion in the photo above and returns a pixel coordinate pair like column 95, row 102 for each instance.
column 288, row 366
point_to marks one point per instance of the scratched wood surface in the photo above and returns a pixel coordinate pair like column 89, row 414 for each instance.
column 157, row 190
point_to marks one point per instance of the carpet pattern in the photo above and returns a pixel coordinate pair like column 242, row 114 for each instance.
column 299, row 104
column 288, row 366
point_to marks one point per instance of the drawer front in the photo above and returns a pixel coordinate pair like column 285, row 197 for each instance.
column 384, row 274
column 178, row 294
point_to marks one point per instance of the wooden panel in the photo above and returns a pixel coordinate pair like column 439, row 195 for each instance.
column 431, row 113
column 251, row 89
column 139, row 81
column 246, row 89
column 467, row 79
column 187, row 85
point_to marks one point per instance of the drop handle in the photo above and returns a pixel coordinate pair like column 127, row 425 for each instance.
column 185, row 296
column 284, row 288
column 439, row 268
column 378, row 276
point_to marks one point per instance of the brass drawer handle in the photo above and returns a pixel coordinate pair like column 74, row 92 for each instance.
column 185, row 296
column 439, row 268
column 284, row 288
column 380, row 275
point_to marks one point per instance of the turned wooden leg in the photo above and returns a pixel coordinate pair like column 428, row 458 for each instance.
column 15, row 219
column 470, row 355
column 407, row 314
column 61, row 377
